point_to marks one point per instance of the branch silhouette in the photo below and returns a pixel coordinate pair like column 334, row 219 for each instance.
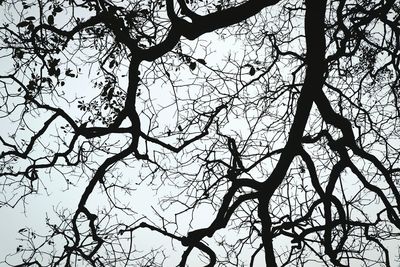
column 188, row 133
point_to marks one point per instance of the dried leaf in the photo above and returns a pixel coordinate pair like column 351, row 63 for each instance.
column 192, row 65
column 22, row 24
column 58, row 9
column 201, row 61
column 252, row 71
column 50, row 19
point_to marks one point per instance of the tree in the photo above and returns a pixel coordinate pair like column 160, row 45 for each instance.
column 226, row 133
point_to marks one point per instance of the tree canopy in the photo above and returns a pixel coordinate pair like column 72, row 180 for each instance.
column 202, row 133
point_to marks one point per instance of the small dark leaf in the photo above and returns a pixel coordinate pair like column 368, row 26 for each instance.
column 30, row 18
column 22, row 24
column 302, row 169
column 180, row 128
column 201, row 61
column 112, row 63
column 19, row 54
column 252, row 71
column 69, row 73
column 58, row 9
column 192, row 65
column 50, row 19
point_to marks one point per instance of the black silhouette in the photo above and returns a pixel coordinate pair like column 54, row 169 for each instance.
column 285, row 153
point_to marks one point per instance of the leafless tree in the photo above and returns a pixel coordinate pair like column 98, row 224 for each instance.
column 265, row 132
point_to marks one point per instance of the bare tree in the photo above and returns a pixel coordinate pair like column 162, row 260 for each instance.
column 222, row 133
